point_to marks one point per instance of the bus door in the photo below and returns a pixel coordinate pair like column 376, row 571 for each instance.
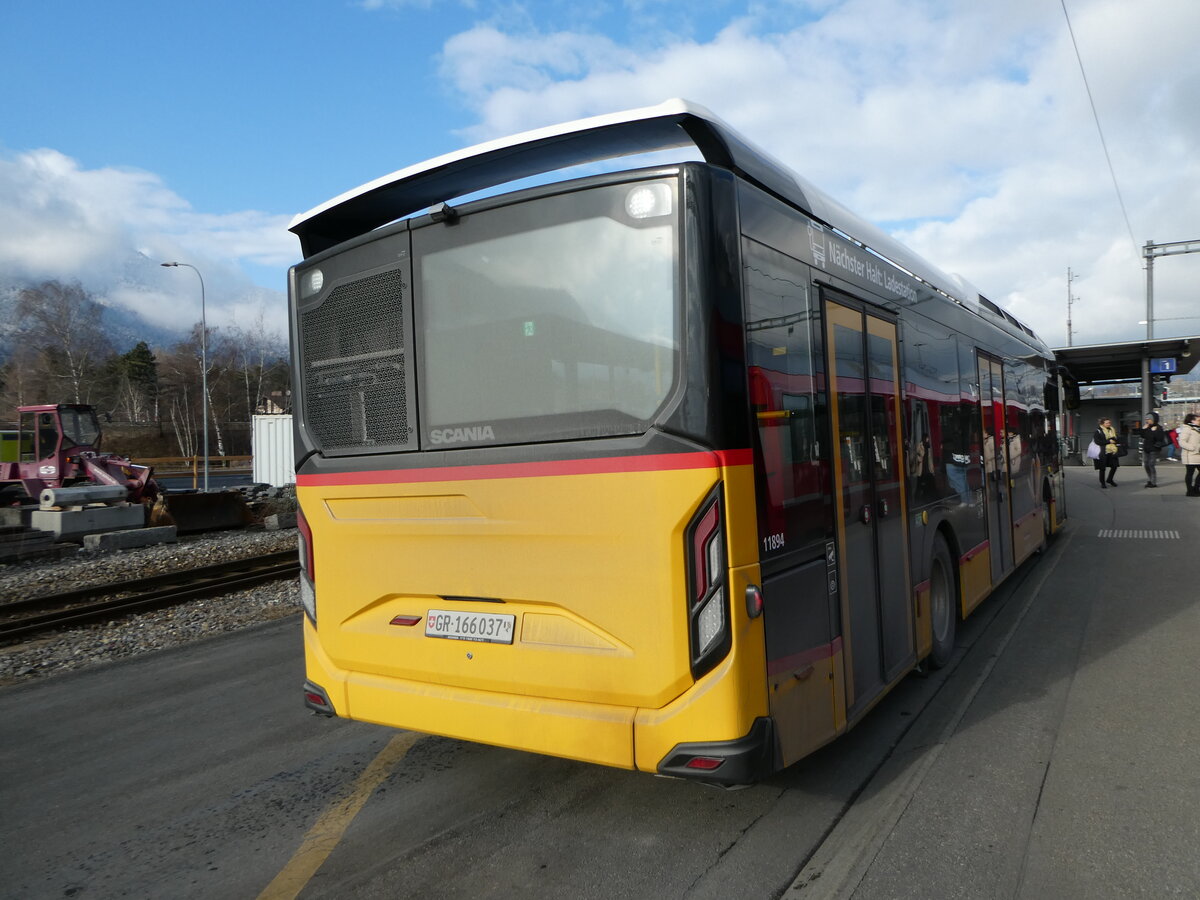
column 877, row 626
column 995, row 467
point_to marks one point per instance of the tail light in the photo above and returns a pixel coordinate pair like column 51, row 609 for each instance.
column 317, row 700
column 308, row 591
column 708, row 604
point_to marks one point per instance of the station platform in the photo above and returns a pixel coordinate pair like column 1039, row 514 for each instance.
column 1061, row 758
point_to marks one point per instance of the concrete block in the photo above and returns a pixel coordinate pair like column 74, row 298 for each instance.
column 73, row 524
column 280, row 521
column 15, row 515
column 125, row 540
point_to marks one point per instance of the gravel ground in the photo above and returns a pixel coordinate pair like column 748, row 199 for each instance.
column 77, row 648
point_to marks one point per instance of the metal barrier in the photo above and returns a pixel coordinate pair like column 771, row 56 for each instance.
column 182, row 465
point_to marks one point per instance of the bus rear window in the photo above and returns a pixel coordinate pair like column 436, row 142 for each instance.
column 551, row 319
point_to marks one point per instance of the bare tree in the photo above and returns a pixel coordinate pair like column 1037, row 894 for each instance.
column 179, row 387
column 257, row 355
column 25, row 381
column 183, row 424
column 64, row 324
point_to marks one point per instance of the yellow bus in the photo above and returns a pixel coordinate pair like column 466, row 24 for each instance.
column 676, row 467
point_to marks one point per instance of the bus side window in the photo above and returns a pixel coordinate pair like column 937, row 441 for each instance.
column 934, row 448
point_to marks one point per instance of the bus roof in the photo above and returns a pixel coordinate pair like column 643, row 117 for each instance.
column 669, row 125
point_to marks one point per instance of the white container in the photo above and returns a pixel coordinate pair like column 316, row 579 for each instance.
column 271, row 444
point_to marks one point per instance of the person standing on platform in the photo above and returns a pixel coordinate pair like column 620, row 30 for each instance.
column 1107, row 463
column 1189, row 447
column 1172, row 444
column 1154, row 438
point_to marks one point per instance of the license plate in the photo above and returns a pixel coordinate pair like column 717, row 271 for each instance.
column 491, row 628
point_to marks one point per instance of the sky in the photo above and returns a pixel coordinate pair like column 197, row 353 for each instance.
column 133, row 133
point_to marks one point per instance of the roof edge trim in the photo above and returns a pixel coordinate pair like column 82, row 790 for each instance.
column 671, row 124
column 499, row 161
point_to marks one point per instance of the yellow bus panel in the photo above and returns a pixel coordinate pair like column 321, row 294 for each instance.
column 974, row 577
column 725, row 702
column 600, row 638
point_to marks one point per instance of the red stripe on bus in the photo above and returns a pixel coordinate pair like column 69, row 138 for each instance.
column 974, row 552
column 661, row 462
column 1025, row 518
column 805, row 658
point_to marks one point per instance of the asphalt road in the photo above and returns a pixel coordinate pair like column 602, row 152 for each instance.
column 198, row 773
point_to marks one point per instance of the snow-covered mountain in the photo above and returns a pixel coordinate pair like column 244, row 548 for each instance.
column 123, row 326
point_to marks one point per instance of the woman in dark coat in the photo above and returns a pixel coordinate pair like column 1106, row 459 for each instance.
column 1106, row 439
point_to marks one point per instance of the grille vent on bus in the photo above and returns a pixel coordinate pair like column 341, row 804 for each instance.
column 354, row 366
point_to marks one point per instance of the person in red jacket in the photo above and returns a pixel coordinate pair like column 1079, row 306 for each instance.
column 1173, row 446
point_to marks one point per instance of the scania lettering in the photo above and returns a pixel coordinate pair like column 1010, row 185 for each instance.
column 459, row 435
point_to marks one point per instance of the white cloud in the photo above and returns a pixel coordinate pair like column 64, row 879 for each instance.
column 109, row 228
column 964, row 128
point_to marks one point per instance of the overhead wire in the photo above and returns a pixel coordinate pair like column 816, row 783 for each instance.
column 1103, row 143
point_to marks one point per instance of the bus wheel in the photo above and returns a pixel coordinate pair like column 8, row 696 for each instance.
column 943, row 610
column 1047, row 532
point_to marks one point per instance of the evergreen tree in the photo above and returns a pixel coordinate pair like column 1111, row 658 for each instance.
column 138, row 371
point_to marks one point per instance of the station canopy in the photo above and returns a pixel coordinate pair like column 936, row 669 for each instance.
column 1120, row 362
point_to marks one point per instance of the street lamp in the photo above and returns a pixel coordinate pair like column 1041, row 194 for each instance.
column 203, row 362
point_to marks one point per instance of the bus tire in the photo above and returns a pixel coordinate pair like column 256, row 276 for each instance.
column 943, row 610
column 1047, row 531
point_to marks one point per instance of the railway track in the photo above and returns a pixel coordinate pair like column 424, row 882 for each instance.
column 101, row 603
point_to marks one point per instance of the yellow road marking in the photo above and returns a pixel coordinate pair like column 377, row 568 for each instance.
column 324, row 836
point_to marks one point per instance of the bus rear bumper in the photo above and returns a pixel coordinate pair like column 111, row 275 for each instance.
column 742, row 761
column 589, row 732
column 620, row 736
